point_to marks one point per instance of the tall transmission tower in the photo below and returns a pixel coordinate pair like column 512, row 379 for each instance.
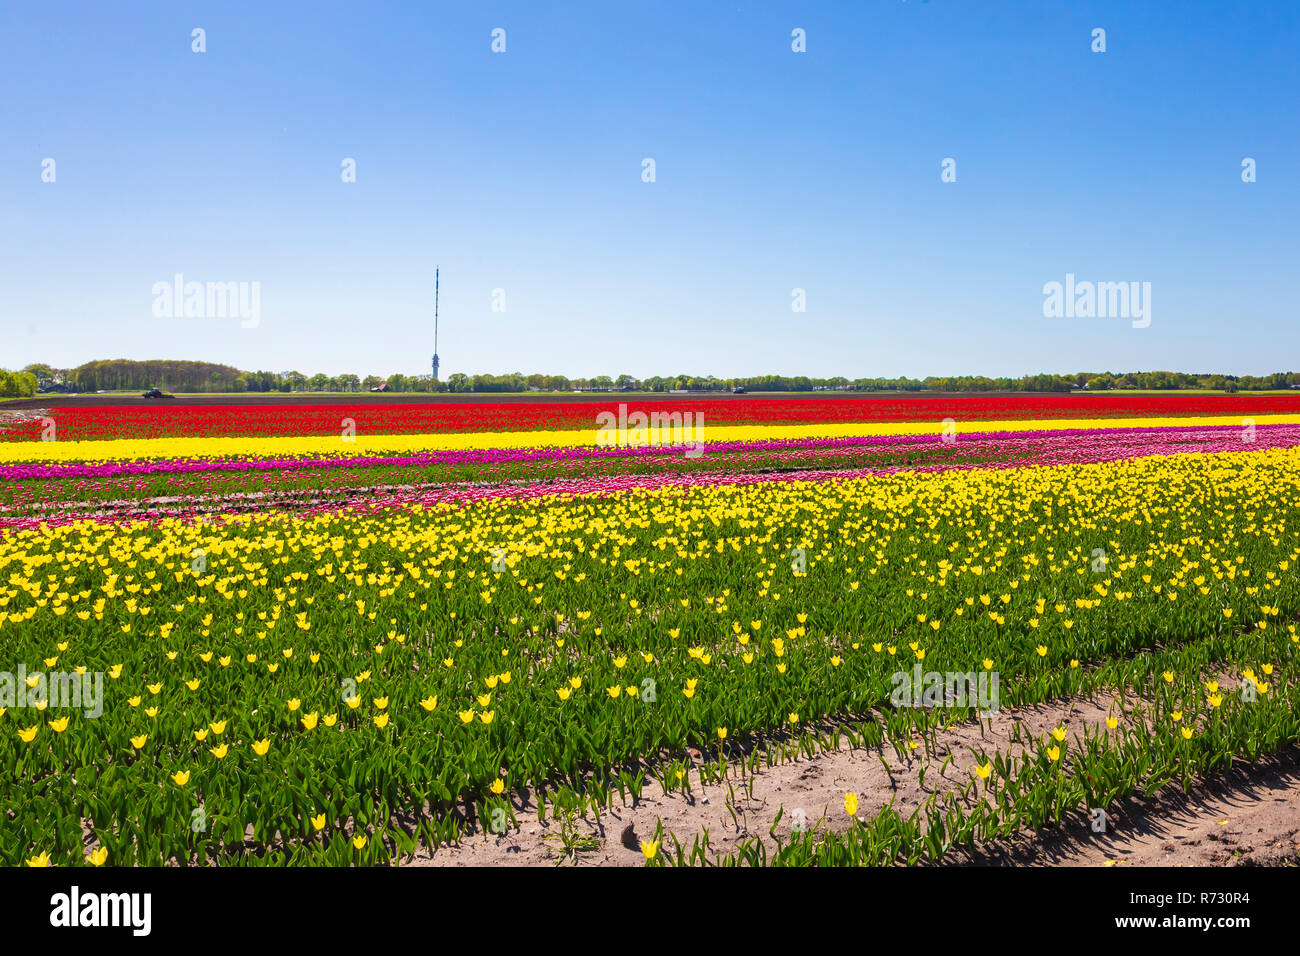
column 435, row 323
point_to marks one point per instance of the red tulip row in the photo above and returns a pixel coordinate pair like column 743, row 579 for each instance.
column 98, row 423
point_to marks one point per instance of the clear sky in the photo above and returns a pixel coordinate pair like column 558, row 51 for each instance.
column 774, row 170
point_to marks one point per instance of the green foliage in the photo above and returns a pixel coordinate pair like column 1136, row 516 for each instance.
column 17, row 384
column 182, row 376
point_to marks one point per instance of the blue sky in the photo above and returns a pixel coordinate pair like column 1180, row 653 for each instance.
column 775, row 170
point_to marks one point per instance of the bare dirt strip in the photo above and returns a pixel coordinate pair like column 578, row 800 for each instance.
column 54, row 400
column 19, row 412
column 1251, row 815
column 1247, row 817
column 431, row 398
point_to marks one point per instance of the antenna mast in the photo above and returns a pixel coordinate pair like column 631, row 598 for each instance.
column 435, row 323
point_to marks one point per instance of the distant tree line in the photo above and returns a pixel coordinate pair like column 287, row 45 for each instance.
column 116, row 374
column 179, row 376
column 17, row 384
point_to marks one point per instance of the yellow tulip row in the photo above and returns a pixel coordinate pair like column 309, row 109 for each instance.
column 363, row 444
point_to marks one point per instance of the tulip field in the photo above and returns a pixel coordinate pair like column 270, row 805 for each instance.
column 323, row 643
